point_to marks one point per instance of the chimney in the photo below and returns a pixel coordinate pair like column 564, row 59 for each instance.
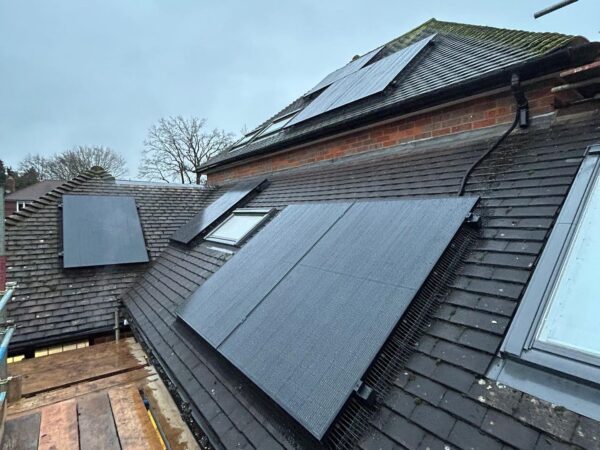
column 2, row 245
column 9, row 187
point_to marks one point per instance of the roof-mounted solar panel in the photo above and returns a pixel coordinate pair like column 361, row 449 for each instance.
column 216, row 210
column 304, row 308
column 342, row 72
column 101, row 231
column 367, row 81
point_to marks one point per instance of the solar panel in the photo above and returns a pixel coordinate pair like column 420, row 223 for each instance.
column 216, row 210
column 101, row 231
column 362, row 83
column 256, row 268
column 342, row 72
column 307, row 335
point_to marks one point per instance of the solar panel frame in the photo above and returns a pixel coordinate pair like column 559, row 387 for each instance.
column 346, row 70
column 100, row 230
column 308, row 339
column 367, row 81
column 222, row 206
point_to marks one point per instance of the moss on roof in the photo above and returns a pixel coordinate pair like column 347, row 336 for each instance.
column 535, row 43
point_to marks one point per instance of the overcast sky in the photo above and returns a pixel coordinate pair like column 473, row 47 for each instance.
column 100, row 72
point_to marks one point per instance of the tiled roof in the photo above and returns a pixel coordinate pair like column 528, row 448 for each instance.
column 51, row 302
column 34, row 191
column 441, row 399
column 460, row 53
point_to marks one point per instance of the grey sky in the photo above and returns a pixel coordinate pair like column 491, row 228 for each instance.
column 102, row 71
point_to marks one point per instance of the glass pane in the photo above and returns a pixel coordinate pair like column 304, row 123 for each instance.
column 572, row 316
column 237, row 226
column 276, row 126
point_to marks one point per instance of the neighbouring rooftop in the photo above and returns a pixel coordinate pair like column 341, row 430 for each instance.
column 54, row 303
column 34, row 191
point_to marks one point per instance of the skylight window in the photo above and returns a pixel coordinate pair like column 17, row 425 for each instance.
column 238, row 226
column 571, row 317
column 554, row 335
column 217, row 210
column 277, row 125
column 244, row 140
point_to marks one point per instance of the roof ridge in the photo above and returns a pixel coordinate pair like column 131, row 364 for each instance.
column 52, row 195
column 508, row 36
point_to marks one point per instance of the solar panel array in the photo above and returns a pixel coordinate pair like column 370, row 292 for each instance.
column 100, row 231
column 216, row 210
column 362, row 83
column 303, row 309
column 342, row 72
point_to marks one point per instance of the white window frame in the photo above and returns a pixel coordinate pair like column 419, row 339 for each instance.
column 265, row 213
column 20, row 204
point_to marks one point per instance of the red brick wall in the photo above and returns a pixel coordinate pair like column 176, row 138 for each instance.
column 9, row 207
column 474, row 114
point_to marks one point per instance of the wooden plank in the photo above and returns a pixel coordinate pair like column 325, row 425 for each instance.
column 96, row 425
column 58, row 427
column 77, row 366
column 166, row 413
column 43, row 363
column 133, row 424
column 22, row 433
column 136, row 378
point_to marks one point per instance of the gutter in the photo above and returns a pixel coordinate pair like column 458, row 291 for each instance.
column 557, row 60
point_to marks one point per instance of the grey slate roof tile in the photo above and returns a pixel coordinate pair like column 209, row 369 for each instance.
column 544, row 416
column 467, row 437
column 509, row 430
column 453, row 376
column 456, row 349
column 434, row 420
column 587, row 434
column 403, row 431
column 463, row 407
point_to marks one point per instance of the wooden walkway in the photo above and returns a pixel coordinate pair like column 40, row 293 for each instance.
column 93, row 398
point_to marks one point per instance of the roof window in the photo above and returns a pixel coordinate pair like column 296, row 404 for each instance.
column 238, row 226
column 218, row 209
column 276, row 125
column 556, row 326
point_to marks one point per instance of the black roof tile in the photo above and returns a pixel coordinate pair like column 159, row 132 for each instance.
column 468, row 437
column 509, row 430
column 447, row 369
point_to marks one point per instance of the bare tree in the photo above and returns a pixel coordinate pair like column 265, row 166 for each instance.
column 176, row 147
column 39, row 163
column 70, row 163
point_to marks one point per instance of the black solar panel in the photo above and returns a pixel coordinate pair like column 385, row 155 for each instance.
column 101, row 231
column 342, row 72
column 256, row 268
column 326, row 298
column 362, row 83
column 216, row 210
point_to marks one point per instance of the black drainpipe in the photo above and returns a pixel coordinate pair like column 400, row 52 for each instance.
column 521, row 119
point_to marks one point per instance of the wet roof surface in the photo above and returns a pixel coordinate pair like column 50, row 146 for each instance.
column 440, row 399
